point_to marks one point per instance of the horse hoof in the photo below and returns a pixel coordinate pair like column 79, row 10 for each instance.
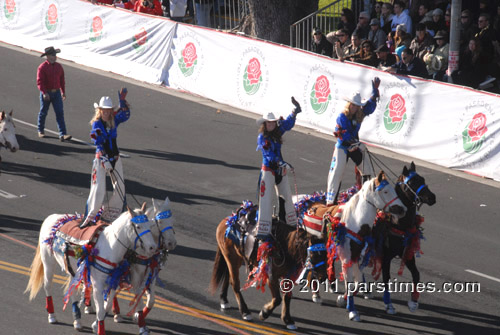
column 95, row 327
column 77, row 325
column 135, row 318
column 354, row 316
column 291, row 326
column 247, row 317
column 88, row 310
column 316, row 299
column 412, row 306
column 341, row 301
column 389, row 309
column 118, row 318
column 144, row 331
column 52, row 318
column 262, row 316
column 224, row 306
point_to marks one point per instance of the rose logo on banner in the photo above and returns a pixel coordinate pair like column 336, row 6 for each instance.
column 51, row 18
column 252, row 77
column 474, row 134
column 188, row 60
column 320, row 95
column 10, row 9
column 96, row 29
column 140, row 39
column 395, row 114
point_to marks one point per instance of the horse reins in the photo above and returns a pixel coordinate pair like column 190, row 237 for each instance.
column 161, row 216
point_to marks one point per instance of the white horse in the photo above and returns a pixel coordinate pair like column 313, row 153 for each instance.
column 143, row 271
column 358, row 216
column 115, row 240
column 8, row 133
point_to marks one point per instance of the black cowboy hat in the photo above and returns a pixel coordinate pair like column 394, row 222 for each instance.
column 50, row 51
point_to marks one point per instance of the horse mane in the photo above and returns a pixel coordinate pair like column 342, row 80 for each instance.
column 351, row 205
column 296, row 241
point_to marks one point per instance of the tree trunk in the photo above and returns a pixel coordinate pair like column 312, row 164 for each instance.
column 271, row 19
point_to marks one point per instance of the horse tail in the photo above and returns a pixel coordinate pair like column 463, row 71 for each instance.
column 219, row 273
column 36, row 275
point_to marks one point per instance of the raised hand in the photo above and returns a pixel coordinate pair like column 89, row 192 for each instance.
column 297, row 106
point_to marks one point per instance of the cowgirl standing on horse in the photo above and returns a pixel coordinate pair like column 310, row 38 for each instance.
column 348, row 145
column 107, row 159
column 274, row 170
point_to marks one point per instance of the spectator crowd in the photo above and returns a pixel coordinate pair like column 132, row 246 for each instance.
column 411, row 37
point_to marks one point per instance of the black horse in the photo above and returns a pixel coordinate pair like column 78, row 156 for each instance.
column 403, row 238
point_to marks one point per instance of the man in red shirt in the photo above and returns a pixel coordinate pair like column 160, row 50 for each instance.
column 50, row 82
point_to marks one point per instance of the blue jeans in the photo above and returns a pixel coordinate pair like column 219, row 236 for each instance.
column 57, row 103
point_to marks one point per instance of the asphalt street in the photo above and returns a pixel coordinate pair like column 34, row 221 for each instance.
column 202, row 156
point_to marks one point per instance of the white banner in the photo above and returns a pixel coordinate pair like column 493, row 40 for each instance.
column 436, row 122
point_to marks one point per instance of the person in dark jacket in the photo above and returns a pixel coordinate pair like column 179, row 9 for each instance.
column 320, row 44
column 385, row 58
column 409, row 65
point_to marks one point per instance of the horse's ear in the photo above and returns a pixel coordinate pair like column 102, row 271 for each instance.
column 405, row 171
column 3, row 116
column 380, row 177
column 155, row 206
column 143, row 208
column 131, row 212
column 11, row 111
column 167, row 201
column 412, row 167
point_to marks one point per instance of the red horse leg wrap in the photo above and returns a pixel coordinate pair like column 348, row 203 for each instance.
column 116, row 307
column 145, row 311
column 88, row 290
column 49, row 305
column 100, row 328
column 141, row 322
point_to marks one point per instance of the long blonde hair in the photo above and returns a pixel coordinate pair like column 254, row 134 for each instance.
column 98, row 115
column 358, row 116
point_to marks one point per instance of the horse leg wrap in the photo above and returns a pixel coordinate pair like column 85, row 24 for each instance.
column 49, row 305
column 116, row 307
column 141, row 322
column 350, row 304
column 100, row 328
column 76, row 311
column 415, row 295
column 145, row 311
column 387, row 297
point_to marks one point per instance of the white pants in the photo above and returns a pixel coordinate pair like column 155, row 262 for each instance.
column 337, row 167
column 267, row 182
column 113, row 208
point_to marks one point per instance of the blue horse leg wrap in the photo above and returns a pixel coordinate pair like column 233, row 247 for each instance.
column 76, row 311
column 350, row 304
column 387, row 297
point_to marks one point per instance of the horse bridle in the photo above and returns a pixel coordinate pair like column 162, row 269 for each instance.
column 382, row 184
column 318, row 247
column 417, row 201
column 161, row 216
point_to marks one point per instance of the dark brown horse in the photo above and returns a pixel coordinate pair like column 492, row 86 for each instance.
column 289, row 256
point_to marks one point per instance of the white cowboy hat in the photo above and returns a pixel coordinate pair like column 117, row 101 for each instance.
column 355, row 98
column 267, row 117
column 105, row 102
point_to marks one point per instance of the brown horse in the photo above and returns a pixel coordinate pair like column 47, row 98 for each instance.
column 293, row 248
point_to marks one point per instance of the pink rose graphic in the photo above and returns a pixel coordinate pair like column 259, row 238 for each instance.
column 253, row 71
column 96, row 24
column 189, row 54
column 52, row 14
column 477, row 127
column 10, row 5
column 397, row 108
column 141, row 37
column 322, row 89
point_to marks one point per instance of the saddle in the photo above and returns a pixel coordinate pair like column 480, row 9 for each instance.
column 318, row 215
column 241, row 229
column 73, row 234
